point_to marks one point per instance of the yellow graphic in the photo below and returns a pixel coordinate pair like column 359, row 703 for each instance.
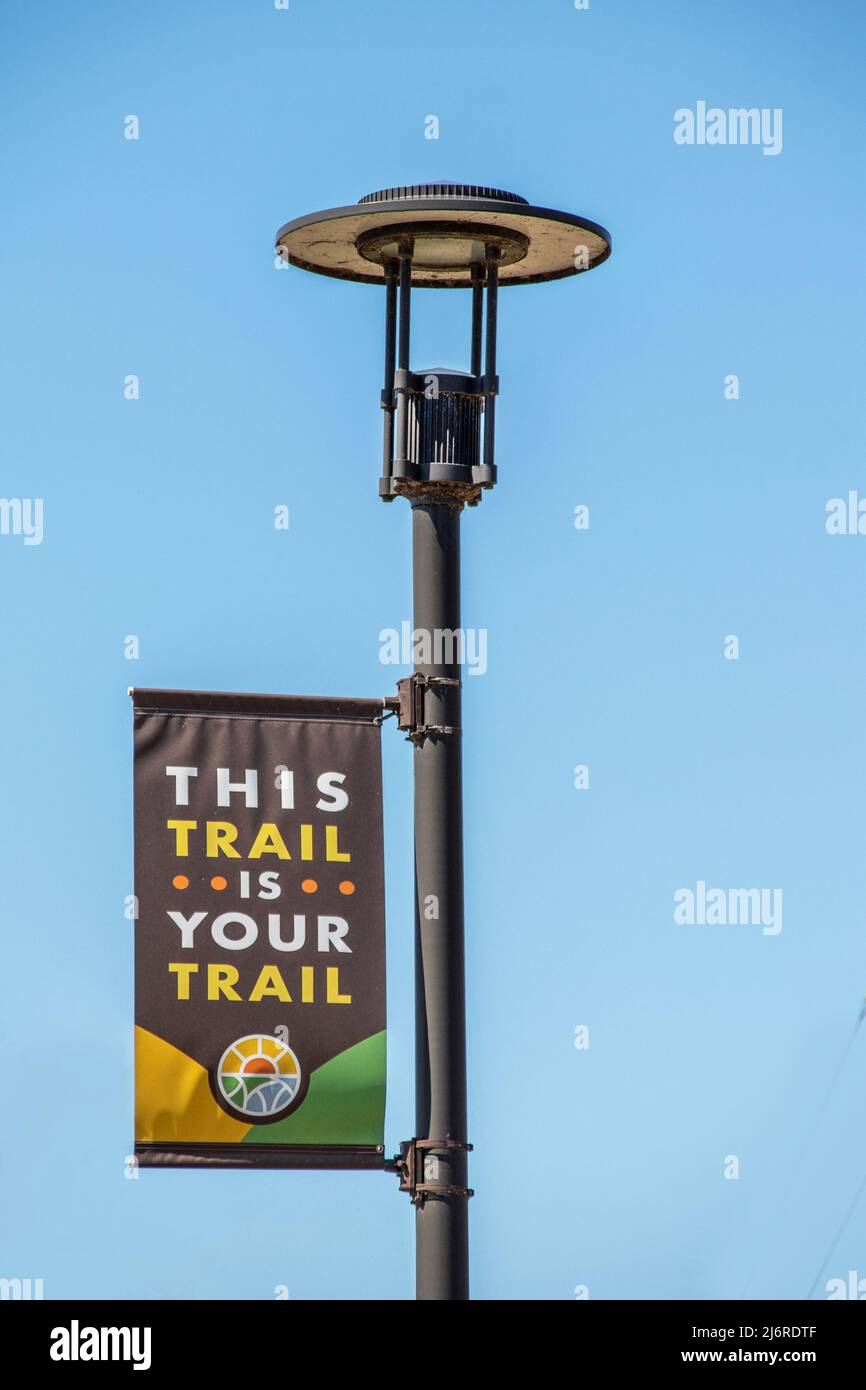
column 173, row 1098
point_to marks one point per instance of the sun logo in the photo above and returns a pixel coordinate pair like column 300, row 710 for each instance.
column 259, row 1076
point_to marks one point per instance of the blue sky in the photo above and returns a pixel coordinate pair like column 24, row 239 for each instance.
column 602, row 1168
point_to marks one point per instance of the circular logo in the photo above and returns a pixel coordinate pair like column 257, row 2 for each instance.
column 259, row 1076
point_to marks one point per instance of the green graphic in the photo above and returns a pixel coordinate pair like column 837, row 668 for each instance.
column 345, row 1103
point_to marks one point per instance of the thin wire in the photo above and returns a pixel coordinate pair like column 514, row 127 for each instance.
column 812, row 1132
column 840, row 1066
column 838, row 1236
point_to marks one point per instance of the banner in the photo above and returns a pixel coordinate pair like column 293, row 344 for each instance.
column 260, row 931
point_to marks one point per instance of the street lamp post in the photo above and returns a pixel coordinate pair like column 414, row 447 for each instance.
column 439, row 454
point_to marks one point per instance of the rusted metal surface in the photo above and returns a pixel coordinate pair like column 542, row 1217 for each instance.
column 410, row 1165
column 327, row 242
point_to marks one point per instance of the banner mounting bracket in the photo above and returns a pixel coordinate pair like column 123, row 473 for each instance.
column 409, row 1165
column 409, row 705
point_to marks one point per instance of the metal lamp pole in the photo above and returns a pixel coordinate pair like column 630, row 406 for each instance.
column 441, row 1221
column 439, row 454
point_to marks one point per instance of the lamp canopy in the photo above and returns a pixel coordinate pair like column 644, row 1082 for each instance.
column 450, row 228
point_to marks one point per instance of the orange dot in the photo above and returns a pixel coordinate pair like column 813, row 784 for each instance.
column 218, row 882
column 180, row 881
column 347, row 887
column 309, row 885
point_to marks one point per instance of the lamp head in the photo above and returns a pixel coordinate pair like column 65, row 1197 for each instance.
column 450, row 226
column 439, row 426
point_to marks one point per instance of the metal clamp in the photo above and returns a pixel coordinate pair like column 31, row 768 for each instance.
column 409, row 1164
column 411, row 692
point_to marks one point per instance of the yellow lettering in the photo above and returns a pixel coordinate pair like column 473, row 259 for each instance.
column 220, row 979
column 332, row 852
column 221, row 835
column 269, row 841
column 307, row 990
column 183, row 972
column 270, row 982
column 181, row 830
column 334, row 995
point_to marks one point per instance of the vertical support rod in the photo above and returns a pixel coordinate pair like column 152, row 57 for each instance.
column 390, row 362
column 402, row 451
column 477, row 317
column 490, row 384
column 442, row 1221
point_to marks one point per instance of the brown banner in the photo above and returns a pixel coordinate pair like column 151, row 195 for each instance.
column 260, row 940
